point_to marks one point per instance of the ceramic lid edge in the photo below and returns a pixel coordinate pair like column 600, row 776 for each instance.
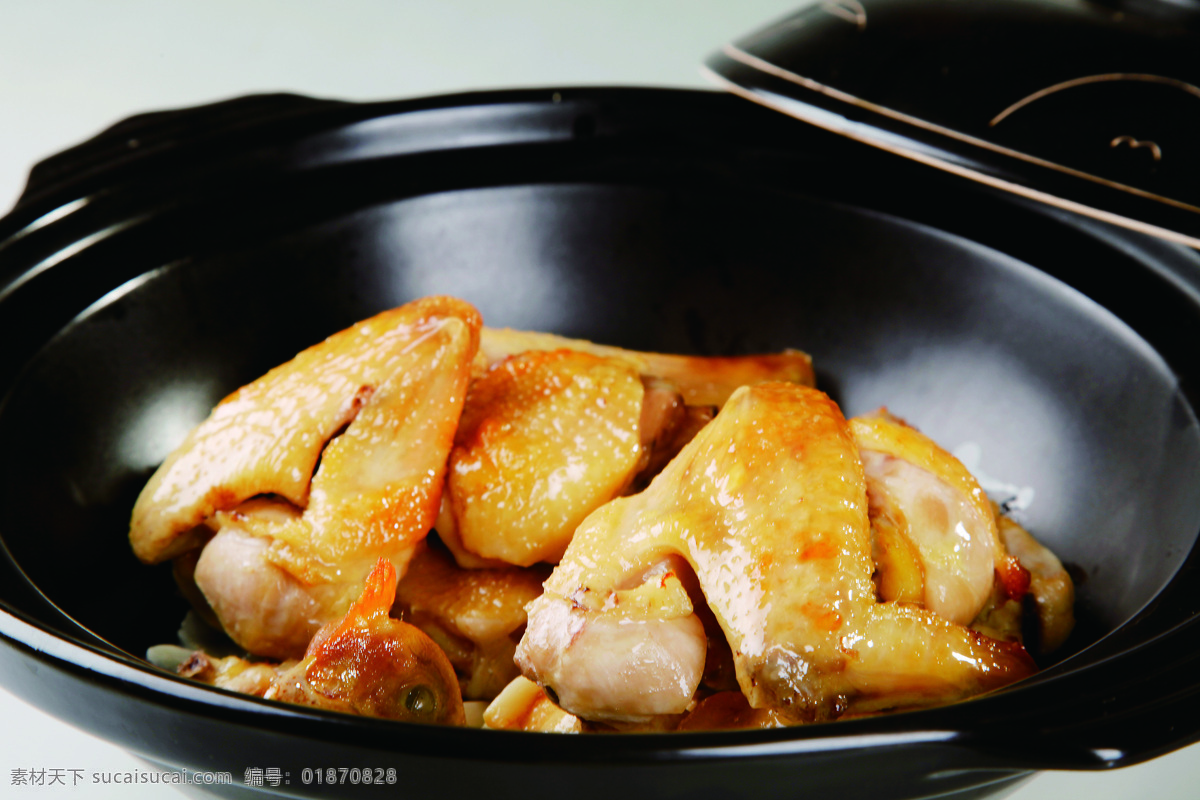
column 1099, row 114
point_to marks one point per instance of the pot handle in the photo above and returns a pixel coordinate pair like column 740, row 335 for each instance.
column 1128, row 708
column 140, row 137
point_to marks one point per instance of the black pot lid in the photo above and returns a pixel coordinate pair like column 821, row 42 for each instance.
column 1086, row 106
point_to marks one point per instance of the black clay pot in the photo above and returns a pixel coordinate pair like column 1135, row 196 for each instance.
column 150, row 271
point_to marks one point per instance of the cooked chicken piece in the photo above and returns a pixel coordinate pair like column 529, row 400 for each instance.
column 899, row 573
column 523, row 706
column 264, row 608
column 1051, row 586
column 545, row 438
column 1002, row 617
column 666, row 425
column 395, row 383
column 267, row 437
column 447, row 530
column 703, row 381
column 553, row 428
column 366, row 663
column 183, row 569
column 230, row 672
column 663, row 413
column 768, row 505
column 615, row 654
column 922, row 496
column 475, row 615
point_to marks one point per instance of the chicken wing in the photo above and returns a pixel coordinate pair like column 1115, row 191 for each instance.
column 768, row 506
column 373, row 411
column 366, row 663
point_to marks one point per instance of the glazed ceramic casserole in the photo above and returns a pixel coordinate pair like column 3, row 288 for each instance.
column 151, row 271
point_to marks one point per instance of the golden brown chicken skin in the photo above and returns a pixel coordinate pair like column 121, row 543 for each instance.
column 546, row 437
column 768, row 506
column 701, row 380
column 366, row 663
column 554, row 427
column 343, row 450
column 475, row 615
column 940, row 543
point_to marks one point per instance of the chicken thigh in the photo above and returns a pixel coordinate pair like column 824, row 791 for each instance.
column 768, row 506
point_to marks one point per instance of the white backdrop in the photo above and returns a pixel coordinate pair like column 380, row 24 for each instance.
column 71, row 67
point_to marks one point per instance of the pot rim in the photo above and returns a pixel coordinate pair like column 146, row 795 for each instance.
column 1015, row 737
